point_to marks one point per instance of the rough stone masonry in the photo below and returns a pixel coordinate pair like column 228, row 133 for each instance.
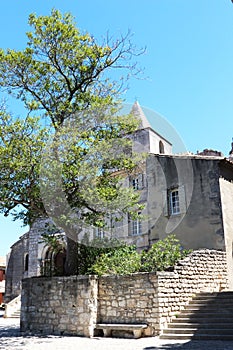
column 74, row 305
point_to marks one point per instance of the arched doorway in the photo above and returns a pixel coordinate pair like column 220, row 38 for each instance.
column 53, row 263
column 59, row 262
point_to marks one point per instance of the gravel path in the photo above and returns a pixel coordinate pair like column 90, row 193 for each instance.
column 10, row 339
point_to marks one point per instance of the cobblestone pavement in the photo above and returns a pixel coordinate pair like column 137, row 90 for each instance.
column 10, row 339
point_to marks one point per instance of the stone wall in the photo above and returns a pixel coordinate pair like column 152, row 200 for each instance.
column 73, row 305
column 59, row 305
column 15, row 270
column 129, row 299
column 199, row 224
column 202, row 271
column 156, row 298
column 226, row 202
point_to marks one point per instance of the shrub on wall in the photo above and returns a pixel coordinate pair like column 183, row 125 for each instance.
column 88, row 251
column 121, row 261
column 163, row 255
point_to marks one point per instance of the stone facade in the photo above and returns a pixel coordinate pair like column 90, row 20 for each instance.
column 2, row 278
column 227, row 216
column 15, row 270
column 73, row 305
column 24, row 259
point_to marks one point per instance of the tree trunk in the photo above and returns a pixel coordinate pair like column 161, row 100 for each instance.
column 71, row 263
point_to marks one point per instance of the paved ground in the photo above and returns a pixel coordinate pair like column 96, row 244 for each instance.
column 10, row 339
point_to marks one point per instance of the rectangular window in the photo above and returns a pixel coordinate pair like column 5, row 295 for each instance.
column 174, row 202
column 99, row 232
column 137, row 182
column 136, row 226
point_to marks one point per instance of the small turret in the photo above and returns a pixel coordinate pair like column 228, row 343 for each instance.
column 145, row 138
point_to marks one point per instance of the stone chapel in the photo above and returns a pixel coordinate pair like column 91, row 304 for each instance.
column 189, row 195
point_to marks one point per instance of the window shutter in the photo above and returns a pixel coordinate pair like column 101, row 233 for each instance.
column 140, row 181
column 182, row 199
column 165, row 203
column 129, row 226
column 144, row 180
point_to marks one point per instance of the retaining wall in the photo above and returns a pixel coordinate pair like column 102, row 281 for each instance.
column 73, row 305
column 202, row 271
column 59, row 305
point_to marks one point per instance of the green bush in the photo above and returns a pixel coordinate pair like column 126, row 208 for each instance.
column 163, row 255
column 110, row 256
column 123, row 260
column 88, row 251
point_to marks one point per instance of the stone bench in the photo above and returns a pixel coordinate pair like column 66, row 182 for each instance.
column 109, row 327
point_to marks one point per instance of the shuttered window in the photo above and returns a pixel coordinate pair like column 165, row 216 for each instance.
column 138, row 182
column 135, row 226
column 99, row 232
column 174, row 201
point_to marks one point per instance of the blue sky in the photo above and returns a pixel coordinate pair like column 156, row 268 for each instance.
column 188, row 62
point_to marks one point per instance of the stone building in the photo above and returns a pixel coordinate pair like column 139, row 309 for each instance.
column 188, row 195
column 2, row 278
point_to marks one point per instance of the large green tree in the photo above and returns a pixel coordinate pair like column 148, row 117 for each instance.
column 73, row 169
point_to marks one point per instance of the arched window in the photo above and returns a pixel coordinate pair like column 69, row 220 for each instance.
column 161, row 147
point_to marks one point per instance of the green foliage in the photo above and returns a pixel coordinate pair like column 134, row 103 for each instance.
column 21, row 145
column 88, row 252
column 53, row 241
column 123, row 260
column 163, row 255
column 62, row 71
column 62, row 76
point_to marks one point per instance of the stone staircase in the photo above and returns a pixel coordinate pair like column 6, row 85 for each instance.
column 12, row 309
column 209, row 316
column 15, row 314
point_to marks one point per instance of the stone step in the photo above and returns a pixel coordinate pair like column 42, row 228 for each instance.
column 219, row 308
column 199, row 325
column 196, row 337
column 209, row 316
column 221, row 296
column 226, row 292
column 224, row 302
column 15, row 314
column 198, row 331
column 183, row 319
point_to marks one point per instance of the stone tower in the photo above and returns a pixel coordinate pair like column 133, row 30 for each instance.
column 146, row 139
